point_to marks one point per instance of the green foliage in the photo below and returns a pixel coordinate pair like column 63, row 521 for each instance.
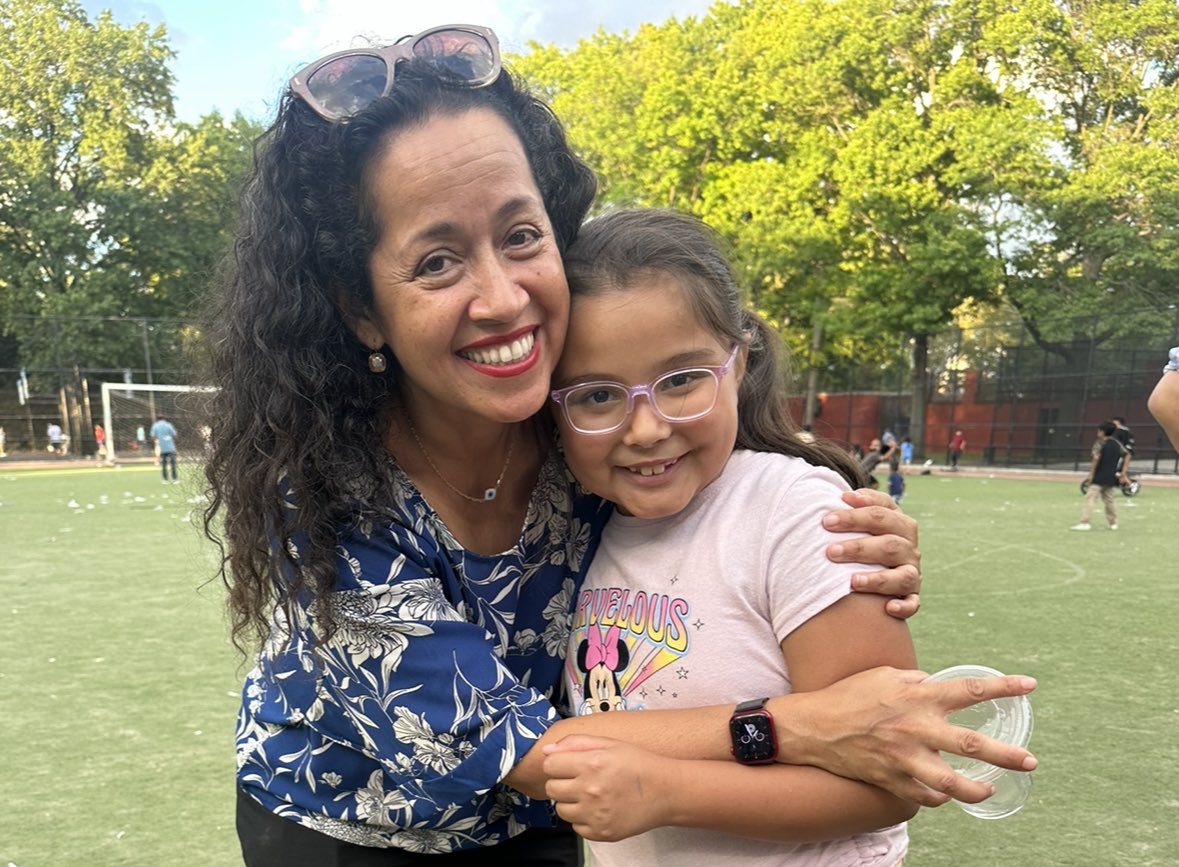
column 108, row 207
column 880, row 164
column 1101, row 228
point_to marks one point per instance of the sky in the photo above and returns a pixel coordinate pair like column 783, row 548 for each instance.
column 237, row 55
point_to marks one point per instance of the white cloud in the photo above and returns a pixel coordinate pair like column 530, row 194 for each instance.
column 330, row 25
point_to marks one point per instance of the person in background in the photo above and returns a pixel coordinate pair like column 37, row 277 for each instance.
column 163, row 434
column 896, row 481
column 873, row 455
column 957, row 446
column 100, row 442
column 402, row 540
column 1104, row 476
column 1163, row 402
column 3, row 443
column 54, row 433
column 1124, row 436
column 906, row 451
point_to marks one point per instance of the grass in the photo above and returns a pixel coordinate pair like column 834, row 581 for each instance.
column 1093, row 616
column 116, row 740
column 120, row 688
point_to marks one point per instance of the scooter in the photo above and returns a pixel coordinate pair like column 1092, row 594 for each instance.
column 1129, row 489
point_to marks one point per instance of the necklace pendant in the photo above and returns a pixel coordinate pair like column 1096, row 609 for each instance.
column 489, row 494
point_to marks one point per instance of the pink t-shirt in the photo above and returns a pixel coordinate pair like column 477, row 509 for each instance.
column 691, row 610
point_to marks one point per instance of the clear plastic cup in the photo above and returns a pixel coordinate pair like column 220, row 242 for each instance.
column 1004, row 719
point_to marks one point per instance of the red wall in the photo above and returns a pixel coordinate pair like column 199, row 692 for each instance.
column 1017, row 430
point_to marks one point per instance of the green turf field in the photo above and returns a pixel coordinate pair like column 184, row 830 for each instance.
column 119, row 687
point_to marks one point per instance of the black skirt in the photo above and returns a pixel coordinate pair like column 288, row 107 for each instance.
column 268, row 840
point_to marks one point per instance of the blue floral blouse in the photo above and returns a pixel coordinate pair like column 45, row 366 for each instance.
column 439, row 678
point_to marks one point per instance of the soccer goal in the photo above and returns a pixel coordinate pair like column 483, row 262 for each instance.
column 130, row 409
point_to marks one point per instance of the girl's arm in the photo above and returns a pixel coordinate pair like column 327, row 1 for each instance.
column 610, row 790
column 628, row 791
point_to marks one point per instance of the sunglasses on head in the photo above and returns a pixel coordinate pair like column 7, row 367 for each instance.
column 343, row 84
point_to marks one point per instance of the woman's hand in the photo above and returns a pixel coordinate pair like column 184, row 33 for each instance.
column 892, row 544
column 887, row 727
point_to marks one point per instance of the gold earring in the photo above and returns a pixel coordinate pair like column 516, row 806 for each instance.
column 377, row 362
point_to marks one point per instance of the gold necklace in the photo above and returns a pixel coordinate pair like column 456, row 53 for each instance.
column 488, row 495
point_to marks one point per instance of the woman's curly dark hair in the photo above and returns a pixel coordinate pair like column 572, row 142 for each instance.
column 297, row 412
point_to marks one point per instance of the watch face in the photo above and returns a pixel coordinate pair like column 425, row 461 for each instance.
column 753, row 737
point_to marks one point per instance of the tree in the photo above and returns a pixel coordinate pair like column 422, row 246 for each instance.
column 816, row 136
column 1099, row 230
column 108, row 208
column 878, row 165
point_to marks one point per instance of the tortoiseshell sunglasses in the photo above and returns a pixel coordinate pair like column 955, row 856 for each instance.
column 342, row 84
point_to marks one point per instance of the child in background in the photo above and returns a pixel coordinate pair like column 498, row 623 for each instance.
column 896, row 481
column 1106, row 474
column 710, row 585
column 957, row 446
column 906, row 451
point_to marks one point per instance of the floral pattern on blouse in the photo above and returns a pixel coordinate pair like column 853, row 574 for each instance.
column 440, row 676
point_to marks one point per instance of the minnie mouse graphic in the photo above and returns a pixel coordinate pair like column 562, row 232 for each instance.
column 601, row 659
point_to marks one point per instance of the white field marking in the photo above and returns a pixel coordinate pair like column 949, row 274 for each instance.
column 1077, row 569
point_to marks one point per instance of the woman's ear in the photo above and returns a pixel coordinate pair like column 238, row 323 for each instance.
column 359, row 321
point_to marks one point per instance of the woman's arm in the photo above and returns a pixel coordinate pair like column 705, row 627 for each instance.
column 610, row 791
column 892, row 543
column 885, row 726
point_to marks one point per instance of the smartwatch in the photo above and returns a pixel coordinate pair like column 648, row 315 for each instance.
column 751, row 728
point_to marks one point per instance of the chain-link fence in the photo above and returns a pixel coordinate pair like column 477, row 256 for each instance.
column 1022, row 395
column 68, row 359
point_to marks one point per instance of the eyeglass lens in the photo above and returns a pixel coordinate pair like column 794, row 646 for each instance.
column 681, row 395
column 347, row 84
column 467, row 55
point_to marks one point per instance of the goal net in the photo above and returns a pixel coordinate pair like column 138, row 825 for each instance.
column 130, row 409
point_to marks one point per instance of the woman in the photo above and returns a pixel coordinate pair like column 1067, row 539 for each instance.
column 401, row 533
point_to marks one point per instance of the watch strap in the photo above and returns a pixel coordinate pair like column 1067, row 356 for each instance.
column 752, row 704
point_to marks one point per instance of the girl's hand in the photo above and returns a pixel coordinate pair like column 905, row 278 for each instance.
column 888, row 727
column 892, row 544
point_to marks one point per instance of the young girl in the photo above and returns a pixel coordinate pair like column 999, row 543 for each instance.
column 710, row 585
